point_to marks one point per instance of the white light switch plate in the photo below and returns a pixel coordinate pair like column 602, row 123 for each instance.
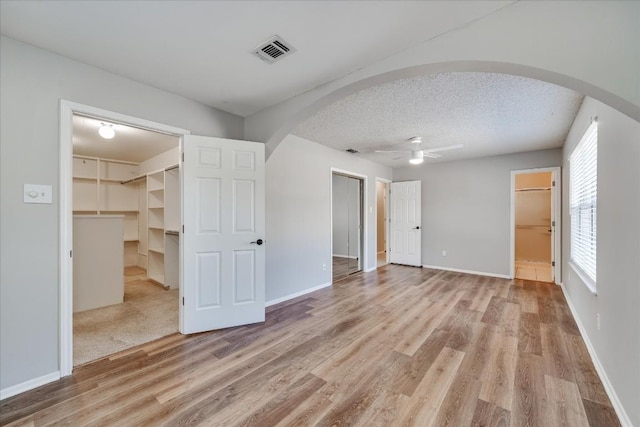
column 37, row 193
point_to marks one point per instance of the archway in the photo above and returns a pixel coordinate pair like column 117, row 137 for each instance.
column 569, row 82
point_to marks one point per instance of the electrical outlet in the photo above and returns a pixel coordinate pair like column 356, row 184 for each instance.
column 598, row 320
column 324, row 267
column 444, row 252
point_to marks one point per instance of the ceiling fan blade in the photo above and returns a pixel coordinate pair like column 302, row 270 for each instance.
column 430, row 155
column 448, row 147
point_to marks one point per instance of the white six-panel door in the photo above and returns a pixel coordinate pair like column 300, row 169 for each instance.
column 223, row 266
column 405, row 220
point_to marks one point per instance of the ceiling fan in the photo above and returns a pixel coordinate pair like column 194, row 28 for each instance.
column 418, row 154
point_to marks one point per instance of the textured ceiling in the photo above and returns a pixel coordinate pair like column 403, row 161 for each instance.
column 201, row 49
column 489, row 113
column 129, row 144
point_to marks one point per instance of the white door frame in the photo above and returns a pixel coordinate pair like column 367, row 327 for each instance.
column 363, row 213
column 386, row 222
column 65, row 276
column 556, row 177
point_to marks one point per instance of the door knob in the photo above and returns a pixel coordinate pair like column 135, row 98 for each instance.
column 258, row 242
column 417, row 227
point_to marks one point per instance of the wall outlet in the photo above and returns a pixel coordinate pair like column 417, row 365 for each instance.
column 444, row 252
column 324, row 267
column 598, row 320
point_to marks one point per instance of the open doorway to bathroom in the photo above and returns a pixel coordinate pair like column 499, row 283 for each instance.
column 534, row 225
column 382, row 222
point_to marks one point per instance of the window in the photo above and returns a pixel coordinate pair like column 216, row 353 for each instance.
column 583, row 183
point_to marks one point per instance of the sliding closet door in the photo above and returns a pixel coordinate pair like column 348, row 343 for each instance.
column 347, row 225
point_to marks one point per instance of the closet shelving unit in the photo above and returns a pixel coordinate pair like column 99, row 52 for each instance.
column 163, row 210
column 98, row 190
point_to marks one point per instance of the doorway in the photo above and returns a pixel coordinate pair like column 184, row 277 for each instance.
column 97, row 187
column 534, row 220
column 126, row 211
column 347, row 219
column 382, row 222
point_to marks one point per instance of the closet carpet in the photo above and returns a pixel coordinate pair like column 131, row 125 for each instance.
column 148, row 313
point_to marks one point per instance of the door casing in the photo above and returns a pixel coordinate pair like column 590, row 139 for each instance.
column 65, row 275
column 556, row 214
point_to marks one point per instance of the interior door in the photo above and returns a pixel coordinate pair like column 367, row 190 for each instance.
column 223, row 251
column 405, row 219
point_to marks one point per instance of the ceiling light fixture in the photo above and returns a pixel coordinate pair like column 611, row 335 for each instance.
column 417, row 157
column 416, row 140
column 106, row 131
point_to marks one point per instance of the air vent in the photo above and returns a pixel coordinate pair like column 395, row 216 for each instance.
column 273, row 50
column 351, row 150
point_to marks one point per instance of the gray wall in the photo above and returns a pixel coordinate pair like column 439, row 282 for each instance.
column 32, row 82
column 617, row 343
column 299, row 213
column 346, row 216
column 466, row 209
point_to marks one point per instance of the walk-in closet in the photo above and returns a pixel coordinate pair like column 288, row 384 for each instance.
column 126, row 218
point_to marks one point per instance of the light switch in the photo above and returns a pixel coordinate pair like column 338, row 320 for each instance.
column 37, row 193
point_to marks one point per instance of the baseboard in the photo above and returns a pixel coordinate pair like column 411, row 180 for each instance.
column 296, row 294
column 608, row 387
column 459, row 270
column 370, row 269
column 344, row 256
column 29, row 385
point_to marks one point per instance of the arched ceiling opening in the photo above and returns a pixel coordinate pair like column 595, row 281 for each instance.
column 361, row 115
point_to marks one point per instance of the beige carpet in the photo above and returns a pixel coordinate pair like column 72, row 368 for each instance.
column 148, row 313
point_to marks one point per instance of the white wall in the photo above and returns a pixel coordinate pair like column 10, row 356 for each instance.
column 298, row 207
column 466, row 209
column 32, row 82
column 163, row 160
column 346, row 216
column 617, row 343
column 555, row 41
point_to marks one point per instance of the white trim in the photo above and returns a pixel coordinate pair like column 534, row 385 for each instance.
column 29, row 385
column 65, row 277
column 363, row 209
column 370, row 269
column 556, row 176
column 460, row 270
column 584, row 277
column 296, row 294
column 608, row 387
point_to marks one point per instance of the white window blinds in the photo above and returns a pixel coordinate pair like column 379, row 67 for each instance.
column 583, row 186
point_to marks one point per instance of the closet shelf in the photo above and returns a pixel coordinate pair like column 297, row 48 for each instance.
column 157, row 250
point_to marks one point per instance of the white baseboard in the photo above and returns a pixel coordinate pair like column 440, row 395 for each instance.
column 608, row 387
column 370, row 269
column 344, row 256
column 29, row 385
column 296, row 294
column 459, row 270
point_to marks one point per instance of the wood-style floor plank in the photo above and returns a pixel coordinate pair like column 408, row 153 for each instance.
column 397, row 346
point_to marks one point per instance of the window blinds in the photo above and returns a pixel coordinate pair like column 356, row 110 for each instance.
column 583, row 186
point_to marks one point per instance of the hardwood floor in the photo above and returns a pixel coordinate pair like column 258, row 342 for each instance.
column 397, row 346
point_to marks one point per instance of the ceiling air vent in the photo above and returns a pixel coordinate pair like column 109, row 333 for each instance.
column 273, row 50
column 352, row 150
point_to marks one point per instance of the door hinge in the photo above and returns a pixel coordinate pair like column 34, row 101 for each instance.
column 553, row 263
column 183, row 157
column 183, row 229
column 553, row 183
column 71, row 254
column 182, row 300
column 553, row 223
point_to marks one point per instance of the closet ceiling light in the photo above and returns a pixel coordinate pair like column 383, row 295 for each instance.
column 106, row 131
column 417, row 157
